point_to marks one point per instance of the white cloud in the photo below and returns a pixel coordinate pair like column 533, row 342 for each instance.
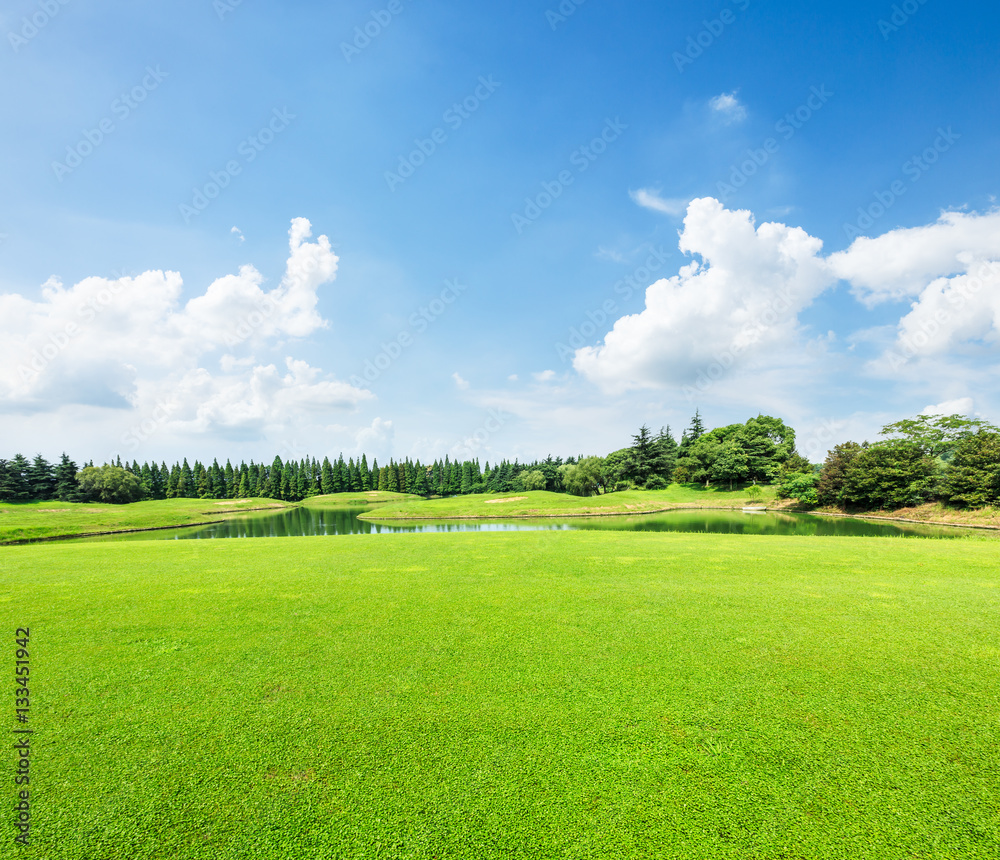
column 739, row 304
column 512, row 378
column 544, row 376
column 952, row 270
column 236, row 231
column 899, row 264
column 376, row 440
column 962, row 406
column 741, row 299
column 650, row 199
column 728, row 107
column 128, row 343
column 463, row 384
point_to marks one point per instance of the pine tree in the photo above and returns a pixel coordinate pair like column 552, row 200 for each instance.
column 697, row 428
column 146, row 479
column 420, row 485
column 186, row 486
column 164, row 478
column 41, row 479
column 326, row 478
column 203, row 482
column 67, row 489
column 18, row 488
column 173, row 482
column 665, row 459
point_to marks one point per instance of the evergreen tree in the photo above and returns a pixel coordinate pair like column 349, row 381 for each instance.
column 643, row 452
column 41, row 479
column 173, row 482
column 186, row 486
column 67, row 489
column 326, row 477
column 420, row 482
column 203, row 482
column 17, row 487
column 146, row 480
column 155, row 482
column 697, row 428
column 665, row 457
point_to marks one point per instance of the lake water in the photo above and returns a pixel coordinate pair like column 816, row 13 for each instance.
column 344, row 521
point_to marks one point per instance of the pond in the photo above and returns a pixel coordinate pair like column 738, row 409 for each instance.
column 344, row 521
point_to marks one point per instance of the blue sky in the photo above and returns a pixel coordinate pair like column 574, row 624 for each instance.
column 549, row 162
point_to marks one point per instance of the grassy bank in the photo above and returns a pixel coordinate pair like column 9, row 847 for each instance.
column 545, row 504
column 532, row 695
column 40, row 520
column 932, row 513
column 36, row 520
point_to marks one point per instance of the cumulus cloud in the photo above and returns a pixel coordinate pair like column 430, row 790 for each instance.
column 741, row 298
column 650, row 199
column 950, row 270
column 901, row 263
column 728, row 107
column 130, row 343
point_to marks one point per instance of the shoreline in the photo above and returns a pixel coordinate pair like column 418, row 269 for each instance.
column 46, row 538
column 769, row 510
column 466, row 517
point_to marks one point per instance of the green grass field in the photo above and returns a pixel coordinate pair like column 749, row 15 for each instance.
column 40, row 520
column 544, row 504
column 510, row 695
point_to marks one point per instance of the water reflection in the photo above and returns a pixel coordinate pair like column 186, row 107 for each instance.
column 308, row 522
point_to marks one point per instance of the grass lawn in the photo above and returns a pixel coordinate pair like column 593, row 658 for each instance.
column 36, row 520
column 370, row 497
column 540, row 503
column 510, row 695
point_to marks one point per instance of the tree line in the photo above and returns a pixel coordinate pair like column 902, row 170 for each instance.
column 22, row 480
column 759, row 451
column 949, row 459
column 930, row 458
